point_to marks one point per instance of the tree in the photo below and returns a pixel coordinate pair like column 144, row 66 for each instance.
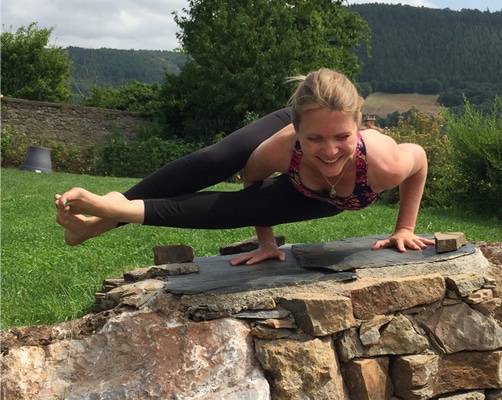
column 242, row 53
column 32, row 70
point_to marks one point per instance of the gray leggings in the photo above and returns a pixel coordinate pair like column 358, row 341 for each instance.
column 172, row 198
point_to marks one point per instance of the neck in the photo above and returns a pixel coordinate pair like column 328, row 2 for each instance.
column 332, row 192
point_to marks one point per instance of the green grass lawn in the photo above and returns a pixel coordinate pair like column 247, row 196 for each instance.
column 44, row 281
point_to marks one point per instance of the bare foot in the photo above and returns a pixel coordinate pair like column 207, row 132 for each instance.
column 77, row 227
column 81, row 201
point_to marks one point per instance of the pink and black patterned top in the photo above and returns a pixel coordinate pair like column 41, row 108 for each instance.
column 362, row 196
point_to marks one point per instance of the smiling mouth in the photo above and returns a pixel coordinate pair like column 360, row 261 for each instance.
column 330, row 161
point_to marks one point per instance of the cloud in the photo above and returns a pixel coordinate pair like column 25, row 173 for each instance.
column 133, row 24
column 127, row 24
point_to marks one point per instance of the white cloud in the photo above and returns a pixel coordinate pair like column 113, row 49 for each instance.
column 125, row 24
column 133, row 24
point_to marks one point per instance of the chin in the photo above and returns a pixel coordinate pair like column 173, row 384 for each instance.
column 335, row 168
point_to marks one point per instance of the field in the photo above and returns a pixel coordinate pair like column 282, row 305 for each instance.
column 381, row 104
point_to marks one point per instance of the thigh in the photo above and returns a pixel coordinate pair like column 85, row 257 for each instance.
column 267, row 203
column 212, row 164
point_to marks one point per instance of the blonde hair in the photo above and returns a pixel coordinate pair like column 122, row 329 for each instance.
column 325, row 88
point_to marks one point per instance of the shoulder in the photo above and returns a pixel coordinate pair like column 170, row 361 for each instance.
column 389, row 163
column 272, row 155
column 380, row 148
column 375, row 138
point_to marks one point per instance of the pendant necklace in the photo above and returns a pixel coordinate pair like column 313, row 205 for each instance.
column 332, row 192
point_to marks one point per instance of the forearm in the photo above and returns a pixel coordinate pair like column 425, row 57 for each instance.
column 410, row 194
column 414, row 162
column 265, row 235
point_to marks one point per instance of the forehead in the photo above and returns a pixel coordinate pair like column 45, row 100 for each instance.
column 325, row 121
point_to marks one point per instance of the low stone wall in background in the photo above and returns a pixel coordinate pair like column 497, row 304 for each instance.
column 66, row 123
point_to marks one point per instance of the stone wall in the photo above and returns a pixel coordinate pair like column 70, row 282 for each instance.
column 421, row 335
column 66, row 123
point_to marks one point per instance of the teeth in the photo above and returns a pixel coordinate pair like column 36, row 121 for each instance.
column 330, row 161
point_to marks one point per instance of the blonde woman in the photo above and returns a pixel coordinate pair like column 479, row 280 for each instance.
column 326, row 165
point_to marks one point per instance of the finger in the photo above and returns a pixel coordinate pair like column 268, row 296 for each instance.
column 420, row 244
column 237, row 260
column 381, row 244
column 279, row 255
column 256, row 259
column 401, row 246
column 242, row 258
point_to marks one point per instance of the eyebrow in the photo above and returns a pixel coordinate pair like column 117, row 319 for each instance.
column 336, row 134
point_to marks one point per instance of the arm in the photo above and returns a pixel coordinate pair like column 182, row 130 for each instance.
column 267, row 249
column 409, row 166
column 271, row 156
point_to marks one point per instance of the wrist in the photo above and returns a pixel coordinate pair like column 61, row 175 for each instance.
column 404, row 229
column 263, row 244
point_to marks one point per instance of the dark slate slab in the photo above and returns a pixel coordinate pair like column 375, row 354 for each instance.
column 216, row 275
column 356, row 253
column 304, row 263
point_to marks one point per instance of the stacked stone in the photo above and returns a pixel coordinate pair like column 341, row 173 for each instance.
column 137, row 287
column 69, row 124
column 417, row 337
column 412, row 338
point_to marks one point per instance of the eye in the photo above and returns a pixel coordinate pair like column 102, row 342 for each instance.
column 343, row 136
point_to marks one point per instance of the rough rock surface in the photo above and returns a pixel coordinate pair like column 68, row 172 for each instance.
column 151, row 344
column 140, row 355
column 302, row 369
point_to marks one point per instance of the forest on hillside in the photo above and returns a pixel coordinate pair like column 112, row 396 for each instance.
column 115, row 68
column 412, row 49
column 425, row 50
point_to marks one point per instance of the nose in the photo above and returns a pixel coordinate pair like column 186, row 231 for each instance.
column 330, row 149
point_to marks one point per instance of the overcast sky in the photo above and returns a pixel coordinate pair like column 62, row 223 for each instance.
column 139, row 24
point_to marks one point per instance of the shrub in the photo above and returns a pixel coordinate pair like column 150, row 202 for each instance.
column 64, row 158
column 14, row 145
column 73, row 159
column 136, row 159
column 476, row 139
column 428, row 132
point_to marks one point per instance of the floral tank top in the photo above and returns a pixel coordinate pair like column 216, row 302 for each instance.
column 361, row 197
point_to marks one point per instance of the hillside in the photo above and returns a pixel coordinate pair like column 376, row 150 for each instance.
column 429, row 50
column 115, row 68
column 381, row 104
column 413, row 50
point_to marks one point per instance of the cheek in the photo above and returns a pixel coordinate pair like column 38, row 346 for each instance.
column 309, row 148
column 349, row 147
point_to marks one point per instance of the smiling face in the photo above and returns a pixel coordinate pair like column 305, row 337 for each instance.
column 328, row 139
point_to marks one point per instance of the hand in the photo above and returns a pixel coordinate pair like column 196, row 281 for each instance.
column 260, row 254
column 402, row 239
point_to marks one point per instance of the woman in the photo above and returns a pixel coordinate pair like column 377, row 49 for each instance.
column 326, row 165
